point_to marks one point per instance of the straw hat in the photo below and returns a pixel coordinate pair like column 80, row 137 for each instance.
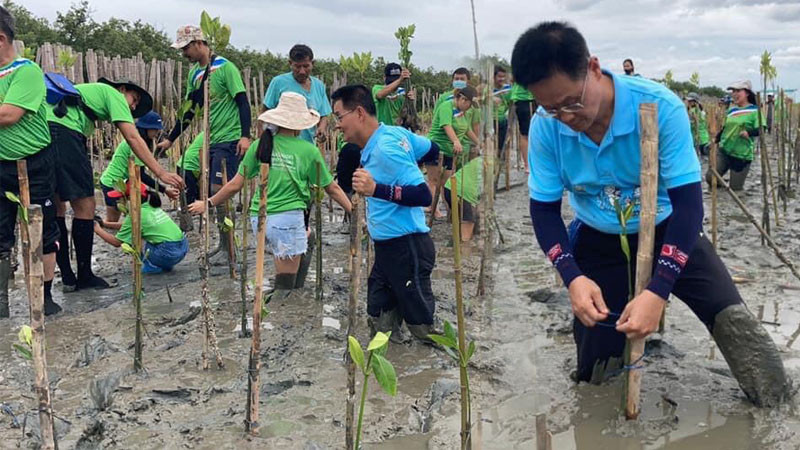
column 291, row 112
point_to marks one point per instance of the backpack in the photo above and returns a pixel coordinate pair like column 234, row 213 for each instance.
column 61, row 93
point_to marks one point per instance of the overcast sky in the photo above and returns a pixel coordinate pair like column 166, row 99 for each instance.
column 720, row 39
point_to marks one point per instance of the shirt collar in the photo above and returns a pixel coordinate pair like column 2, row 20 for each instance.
column 624, row 119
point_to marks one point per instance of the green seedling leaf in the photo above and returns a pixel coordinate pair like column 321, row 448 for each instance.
column 205, row 23
column 384, row 374
column 629, row 212
column 623, row 243
column 11, row 196
column 25, row 335
column 356, row 353
column 380, row 340
column 449, row 331
column 224, row 36
column 122, row 208
column 444, row 341
column 470, row 352
column 23, row 352
column 128, row 249
column 120, row 186
column 227, row 225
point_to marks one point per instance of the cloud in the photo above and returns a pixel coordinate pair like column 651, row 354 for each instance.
column 576, row 5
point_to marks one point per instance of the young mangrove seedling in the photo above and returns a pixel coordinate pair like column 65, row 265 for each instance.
column 25, row 346
column 375, row 363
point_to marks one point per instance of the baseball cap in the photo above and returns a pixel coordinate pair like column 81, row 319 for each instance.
column 186, row 35
column 392, row 72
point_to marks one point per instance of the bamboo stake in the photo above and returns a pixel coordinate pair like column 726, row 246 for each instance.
column 712, row 162
column 251, row 421
column 25, row 198
column 768, row 180
column 35, row 282
column 466, row 425
column 355, row 279
column 231, row 232
column 648, row 117
column 543, row 436
column 436, row 193
column 136, row 227
column 243, row 275
column 209, row 329
column 318, row 237
column 764, row 235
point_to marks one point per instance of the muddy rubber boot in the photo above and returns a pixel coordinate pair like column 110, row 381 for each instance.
column 305, row 262
column 69, row 282
column 83, row 239
column 283, row 286
column 50, row 307
column 751, row 356
column 5, row 272
column 220, row 256
column 422, row 331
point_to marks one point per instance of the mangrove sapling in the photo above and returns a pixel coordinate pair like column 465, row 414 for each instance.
column 136, row 251
column 245, row 332
column 374, row 364
column 408, row 117
column 355, row 281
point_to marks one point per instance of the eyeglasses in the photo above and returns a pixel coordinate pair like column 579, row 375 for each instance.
column 568, row 109
column 338, row 117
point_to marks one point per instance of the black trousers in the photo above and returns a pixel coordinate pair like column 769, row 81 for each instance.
column 704, row 285
column 401, row 278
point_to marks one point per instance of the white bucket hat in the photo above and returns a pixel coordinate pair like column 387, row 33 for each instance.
column 744, row 84
column 292, row 112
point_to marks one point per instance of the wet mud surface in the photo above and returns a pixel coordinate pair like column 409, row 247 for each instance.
column 521, row 367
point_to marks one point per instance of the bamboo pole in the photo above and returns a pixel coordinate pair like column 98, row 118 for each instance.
column 712, row 162
column 25, row 198
column 764, row 235
column 35, row 282
column 355, row 282
column 231, row 232
column 243, row 275
column 648, row 117
column 318, row 237
column 768, row 180
column 466, row 425
column 437, row 192
column 209, row 331
column 543, row 436
column 136, row 227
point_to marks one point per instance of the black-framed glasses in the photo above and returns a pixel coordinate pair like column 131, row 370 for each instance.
column 568, row 109
column 339, row 117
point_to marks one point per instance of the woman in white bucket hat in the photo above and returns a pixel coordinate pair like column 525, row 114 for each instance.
column 293, row 170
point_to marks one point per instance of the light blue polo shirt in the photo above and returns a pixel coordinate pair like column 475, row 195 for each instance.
column 391, row 156
column 316, row 98
column 562, row 159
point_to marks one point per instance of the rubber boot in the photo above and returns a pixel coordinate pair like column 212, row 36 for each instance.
column 221, row 255
column 422, row 331
column 283, row 285
column 305, row 262
column 69, row 282
column 751, row 356
column 50, row 307
column 389, row 321
column 83, row 238
column 5, row 272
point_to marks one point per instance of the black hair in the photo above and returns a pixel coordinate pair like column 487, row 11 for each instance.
column 628, row 60
column 469, row 93
column 265, row 146
column 7, row 23
column 547, row 48
column 751, row 97
column 353, row 96
column 143, row 134
column 463, row 71
column 301, row 52
column 153, row 198
column 499, row 69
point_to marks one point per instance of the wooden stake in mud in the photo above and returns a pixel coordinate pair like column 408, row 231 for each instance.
column 136, row 227
column 355, row 282
column 466, row 419
column 243, row 275
column 25, row 198
column 437, row 192
column 712, row 162
column 209, row 328
column 765, row 175
column 254, row 364
column 648, row 117
column 231, row 231
column 318, row 227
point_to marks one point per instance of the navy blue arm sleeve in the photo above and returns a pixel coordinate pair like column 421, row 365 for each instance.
column 419, row 195
column 244, row 113
column 681, row 234
column 432, row 155
column 553, row 239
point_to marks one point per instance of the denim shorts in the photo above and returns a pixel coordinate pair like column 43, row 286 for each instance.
column 164, row 256
column 286, row 233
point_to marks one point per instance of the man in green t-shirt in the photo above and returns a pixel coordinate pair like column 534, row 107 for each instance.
column 501, row 94
column 461, row 79
column 24, row 137
column 229, row 113
column 118, row 102
column 524, row 106
column 390, row 96
column 190, row 163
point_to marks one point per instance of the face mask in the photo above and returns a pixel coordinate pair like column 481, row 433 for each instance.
column 459, row 84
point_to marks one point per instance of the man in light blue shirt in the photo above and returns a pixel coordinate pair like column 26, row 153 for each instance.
column 399, row 285
column 585, row 139
column 301, row 61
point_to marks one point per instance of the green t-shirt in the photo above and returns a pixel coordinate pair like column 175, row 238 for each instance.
column 697, row 118
column 22, row 85
column 190, row 159
column 157, row 227
column 388, row 108
column 292, row 172
column 470, row 180
column 107, row 103
column 502, row 100
column 225, row 83
column 118, row 167
column 520, row 94
column 447, row 114
column 736, row 121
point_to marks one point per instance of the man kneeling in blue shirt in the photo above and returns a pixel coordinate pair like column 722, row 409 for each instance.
column 399, row 284
column 585, row 140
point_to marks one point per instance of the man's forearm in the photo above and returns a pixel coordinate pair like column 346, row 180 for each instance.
column 553, row 238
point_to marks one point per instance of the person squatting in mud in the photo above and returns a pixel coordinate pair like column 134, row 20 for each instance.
column 585, row 140
column 399, row 284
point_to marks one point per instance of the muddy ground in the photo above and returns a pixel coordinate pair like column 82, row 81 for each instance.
column 520, row 369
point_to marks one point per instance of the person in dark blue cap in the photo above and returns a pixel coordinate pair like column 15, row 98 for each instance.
column 148, row 126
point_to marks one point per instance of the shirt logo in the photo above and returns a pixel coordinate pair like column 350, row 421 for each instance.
column 405, row 144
